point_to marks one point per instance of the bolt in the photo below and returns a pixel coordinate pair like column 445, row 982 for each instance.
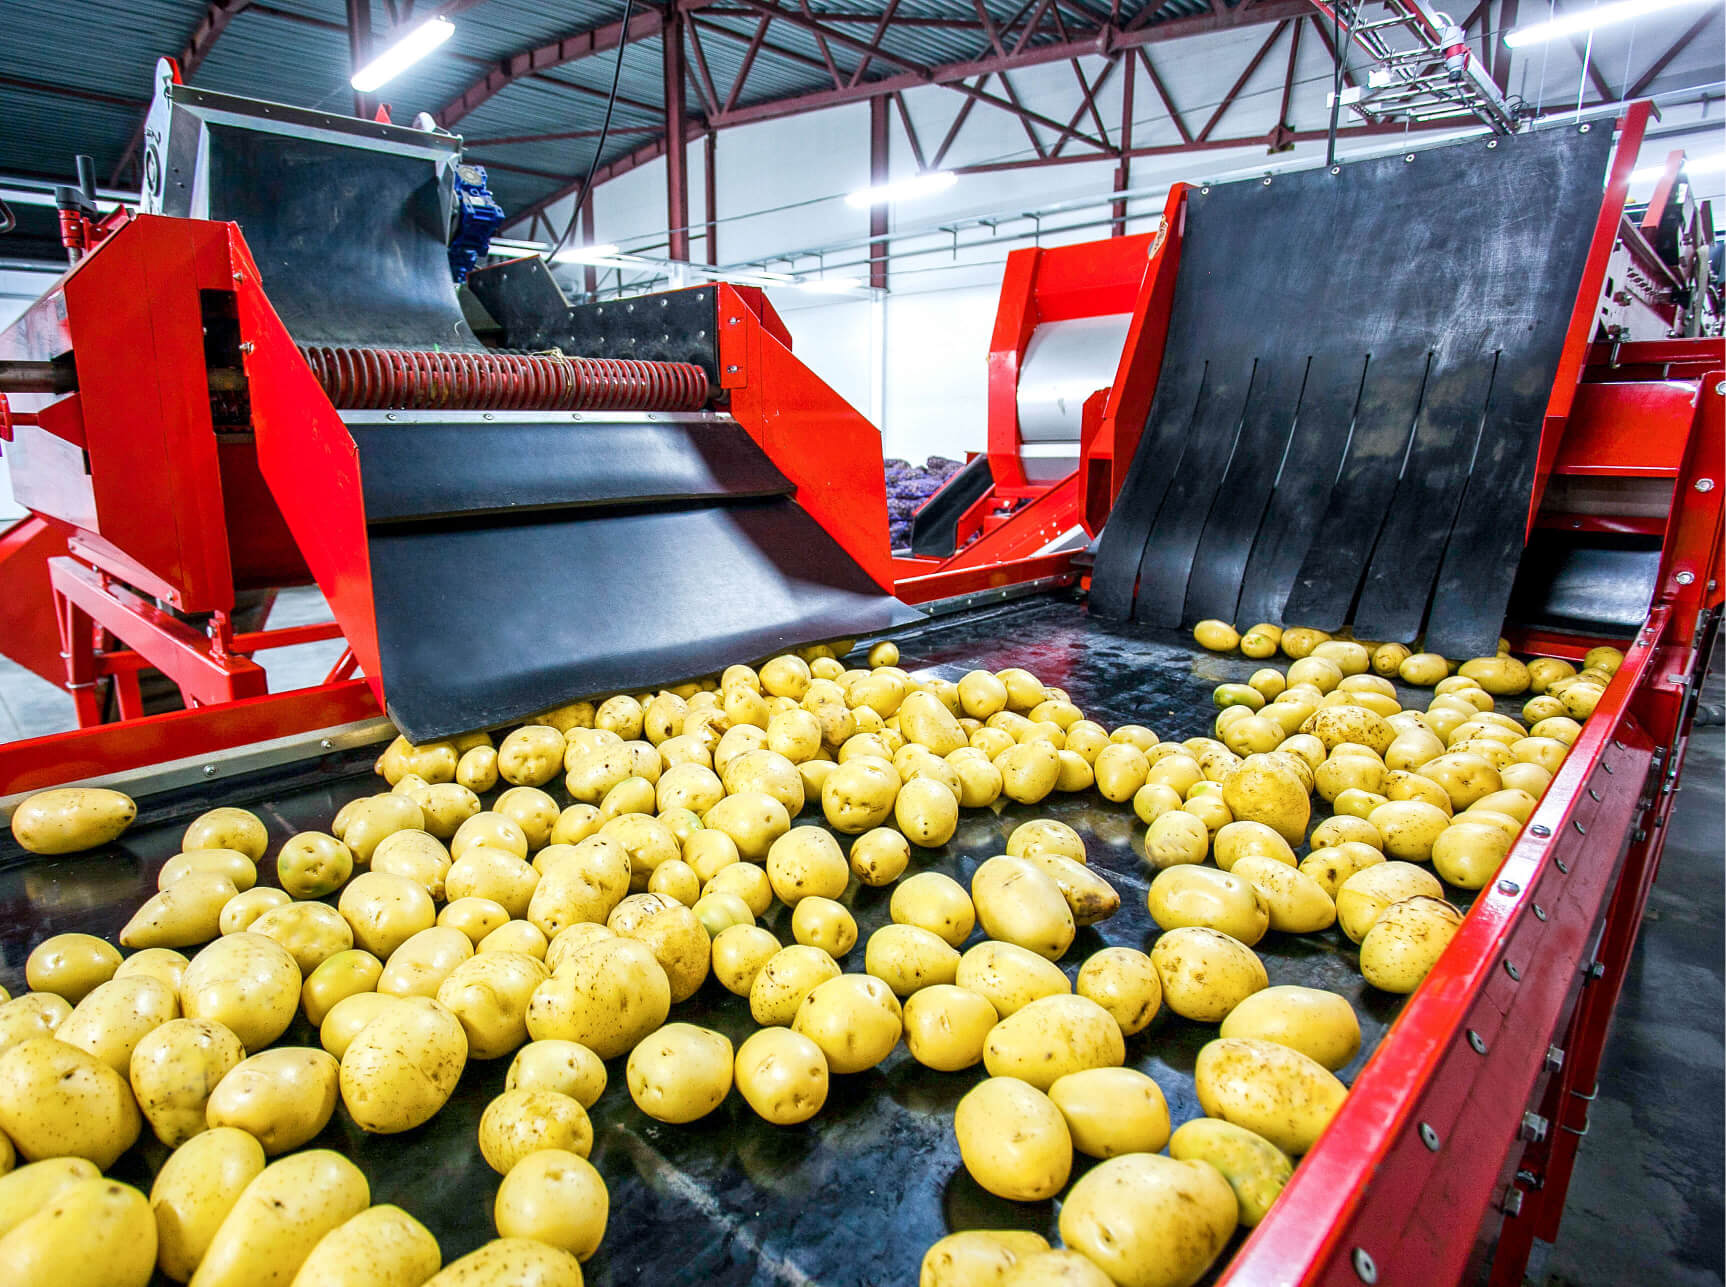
column 1684, row 578
column 1266, row 181
column 1580, row 829
column 1477, row 1041
column 1364, row 1268
column 1540, row 829
column 209, row 770
column 1490, row 144
column 1336, row 169
column 1539, row 912
column 731, row 370
column 1514, row 973
column 239, row 276
column 1563, row 867
column 1508, row 887
column 1533, row 1128
column 1513, row 1199
column 327, row 744
column 246, row 346
column 1706, row 484
column 1554, row 1059
column 1429, row 1137
column 1408, row 156
column 1529, row 1180
column 1205, row 191
column 1585, row 128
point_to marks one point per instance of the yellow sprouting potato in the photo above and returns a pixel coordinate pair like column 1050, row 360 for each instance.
column 680, row 1073
column 977, row 1257
column 1319, row 1024
column 1110, row 1111
column 92, row 1233
column 1051, row 1037
column 1206, row 973
column 382, row 1246
column 313, row 864
column 1148, row 1220
column 1365, row 895
column 1013, row 1140
column 946, row 1026
column 58, row 1101
column 1269, row 1089
column 173, row 1071
column 246, row 982
column 1406, row 941
column 1009, row 976
column 1255, row 1168
column 511, row 1262
column 71, row 965
column 1193, row 895
column 279, row 1217
column 282, row 1097
column 310, row 932
column 1017, row 903
column 608, row 996
column 520, row 1122
column 489, row 995
column 194, row 1191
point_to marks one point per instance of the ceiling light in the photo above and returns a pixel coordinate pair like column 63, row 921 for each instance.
column 1584, row 20
column 509, row 245
column 598, row 253
column 403, row 54
column 918, row 185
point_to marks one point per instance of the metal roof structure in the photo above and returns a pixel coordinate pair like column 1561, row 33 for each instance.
column 527, row 84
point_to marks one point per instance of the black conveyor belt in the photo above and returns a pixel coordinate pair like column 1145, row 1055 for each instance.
column 1351, row 397
column 855, row 1196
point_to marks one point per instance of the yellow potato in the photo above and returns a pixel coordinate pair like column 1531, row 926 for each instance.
column 173, row 1071
column 194, row 1191
column 246, row 982
column 1240, row 838
column 240, row 870
column 368, row 821
column 1217, row 636
column 1500, row 676
column 1089, row 897
column 162, row 963
column 28, row 1189
column 753, row 819
column 1148, row 1220
column 486, row 872
column 511, row 1262
column 491, row 829
column 535, row 812
column 111, row 1021
column 310, row 932
column 747, row 881
column 520, row 1122
column 515, row 936
column 1110, row 1111
column 477, row 768
column 554, row 1197
column 92, row 1233
column 445, row 806
column 854, row 1019
column 281, row 1097
column 1297, row 903
column 1406, row 941
column 807, row 862
column 384, row 911
column 823, row 923
column 1029, row 770
column 1013, row 1140
column 402, row 1066
column 240, row 911
column 489, row 995
column 1269, row 1089
column 279, row 1217
column 475, row 917
column 1192, row 895
column 946, row 1026
column 1260, row 790
column 608, row 996
column 313, row 864
column 585, row 883
column 879, row 857
column 1364, row 895
column 419, row 966
column 1017, row 903
column 382, row 1246
column 532, row 754
column 1205, row 973
column 1124, row 982
column 859, row 794
column 937, row 903
column 978, row 1257
column 1051, row 1037
column 1423, row 669
column 1255, row 1168
column 1009, row 976
column 782, row 1076
column 1319, row 1024
column 348, row 1018
column 680, row 1073
column 739, row 953
column 566, row 1067
column 58, row 1101
column 1467, row 853
column 71, row 965
column 679, row 944
column 69, row 819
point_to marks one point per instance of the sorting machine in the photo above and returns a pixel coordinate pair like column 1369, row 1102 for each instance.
column 1383, row 394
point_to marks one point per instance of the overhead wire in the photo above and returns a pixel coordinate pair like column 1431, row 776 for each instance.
column 586, row 188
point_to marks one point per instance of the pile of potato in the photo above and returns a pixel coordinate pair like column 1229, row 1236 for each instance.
column 425, row 929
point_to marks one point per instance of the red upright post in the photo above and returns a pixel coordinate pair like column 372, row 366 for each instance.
column 877, row 176
column 1124, row 171
column 676, row 146
column 711, row 186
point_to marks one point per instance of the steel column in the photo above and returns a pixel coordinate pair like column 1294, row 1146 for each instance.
column 676, row 148
column 710, row 184
column 1124, row 171
column 878, row 172
column 359, row 50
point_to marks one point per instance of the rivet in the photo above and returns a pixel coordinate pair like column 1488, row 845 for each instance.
column 731, row 370
column 1684, row 578
column 1205, row 191
column 1563, row 867
column 1336, row 169
column 486, row 415
column 1429, row 1137
column 1477, row 1041
column 1364, row 1267
column 1540, row 829
column 1266, row 181
column 1707, row 484
column 1490, row 144
column 1594, row 795
column 1539, row 912
column 209, row 770
column 1584, row 128
column 1408, row 156
column 1580, row 829
column 327, row 744
column 1514, row 973
column 1509, row 887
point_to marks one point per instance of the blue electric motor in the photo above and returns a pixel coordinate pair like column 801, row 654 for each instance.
column 477, row 217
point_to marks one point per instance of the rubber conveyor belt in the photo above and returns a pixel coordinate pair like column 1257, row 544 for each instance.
column 851, row 1198
column 1357, row 366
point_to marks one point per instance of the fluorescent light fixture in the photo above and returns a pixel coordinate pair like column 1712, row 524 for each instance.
column 918, row 185
column 1584, row 20
column 1693, row 166
column 509, row 245
column 598, row 253
column 403, row 54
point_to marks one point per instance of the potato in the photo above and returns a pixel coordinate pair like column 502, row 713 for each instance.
column 739, row 952
column 1240, row 838
column 946, row 1026
column 186, row 913
column 1260, row 790
column 312, row 864
column 71, row 965
column 111, row 1021
column 520, row 1122
column 1176, row 838
column 1051, row 1037
column 246, row 982
column 310, row 932
column 491, row 829
column 279, row 1217
column 908, row 958
column 1500, row 676
column 1405, row 942
column 489, row 994
column 1148, row 1220
column 927, row 812
column 854, row 1020
column 977, row 1257
column 823, row 923
column 1467, row 853
column 419, row 966
column 554, row 1197
column 1217, row 636
column 281, row 1097
column 937, row 903
column 1255, row 1168
column 1205, row 973
column 515, row 936
column 1423, row 669
column 681, row 947
column 607, row 996
column 35, row 1014
column 1110, row 1111
column 859, row 795
column 1297, row 903
column 1017, row 903
column 371, row 819
column 69, row 819
column 486, row 872
column 475, row 917
column 162, row 963
column 1089, row 897
column 746, row 881
column 348, row 1018
column 879, row 857
column 586, row 883
column 91, row 1233
column 194, row 1191
column 58, row 1101
column 1013, row 1140
column 1029, row 771
column 680, row 1073
column 1191, row 895
column 28, row 1189
column 477, row 768
column 1319, row 1024
column 240, row 911
column 1009, row 976
column 533, row 754
column 1269, row 1089
column 1365, row 895
column 566, row 1067
column 753, row 819
column 1124, row 981
column 173, row 1071
column 382, row 1246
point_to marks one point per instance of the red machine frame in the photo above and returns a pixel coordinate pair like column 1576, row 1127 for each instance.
column 1454, row 1151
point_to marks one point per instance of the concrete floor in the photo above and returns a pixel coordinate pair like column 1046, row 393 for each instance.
column 1645, row 1202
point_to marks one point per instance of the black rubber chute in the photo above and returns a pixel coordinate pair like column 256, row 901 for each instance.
column 1417, row 305
column 935, row 525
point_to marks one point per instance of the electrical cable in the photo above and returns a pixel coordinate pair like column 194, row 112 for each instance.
column 8, row 220
column 604, row 129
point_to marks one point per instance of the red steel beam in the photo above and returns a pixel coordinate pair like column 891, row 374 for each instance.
column 704, row 81
column 1163, row 93
column 879, row 169
column 747, row 64
column 677, row 147
column 881, row 26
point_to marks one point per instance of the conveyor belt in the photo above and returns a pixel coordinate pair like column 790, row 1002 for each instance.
column 1350, row 404
column 852, row 1198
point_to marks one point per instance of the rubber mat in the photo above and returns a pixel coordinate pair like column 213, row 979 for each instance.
column 1352, row 391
